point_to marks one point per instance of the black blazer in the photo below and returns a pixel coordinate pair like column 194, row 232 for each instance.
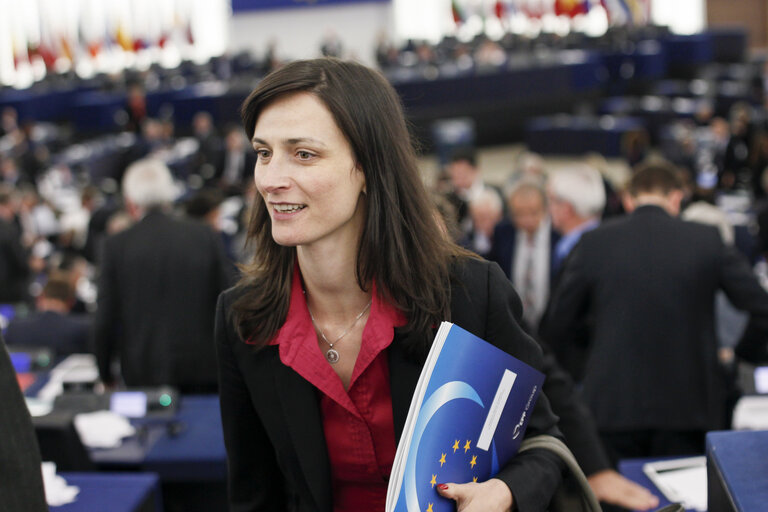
column 648, row 280
column 157, row 296
column 21, row 480
column 273, row 432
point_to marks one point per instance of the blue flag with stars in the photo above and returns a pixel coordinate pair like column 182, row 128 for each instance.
column 467, row 418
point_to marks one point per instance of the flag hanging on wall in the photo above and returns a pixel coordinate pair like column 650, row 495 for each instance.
column 627, row 12
column 457, row 12
column 571, row 8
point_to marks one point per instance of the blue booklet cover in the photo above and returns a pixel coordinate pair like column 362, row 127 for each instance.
column 466, row 420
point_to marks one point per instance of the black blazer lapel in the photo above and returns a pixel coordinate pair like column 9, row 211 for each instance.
column 404, row 374
column 304, row 424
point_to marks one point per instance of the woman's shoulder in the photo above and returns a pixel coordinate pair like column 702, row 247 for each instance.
column 230, row 295
column 478, row 285
column 474, row 271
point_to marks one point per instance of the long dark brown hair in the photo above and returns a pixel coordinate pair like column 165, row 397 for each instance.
column 401, row 246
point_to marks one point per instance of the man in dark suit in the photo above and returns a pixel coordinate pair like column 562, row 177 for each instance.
column 14, row 265
column 576, row 199
column 210, row 145
column 523, row 247
column 652, row 378
column 581, row 435
column 236, row 162
column 467, row 184
column 157, row 290
column 21, row 479
column 486, row 212
column 52, row 325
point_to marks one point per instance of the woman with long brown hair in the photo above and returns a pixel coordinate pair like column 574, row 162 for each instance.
column 321, row 343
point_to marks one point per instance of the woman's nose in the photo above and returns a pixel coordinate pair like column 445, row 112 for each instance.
column 272, row 175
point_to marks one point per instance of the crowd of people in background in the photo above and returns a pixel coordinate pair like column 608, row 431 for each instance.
column 54, row 218
column 68, row 241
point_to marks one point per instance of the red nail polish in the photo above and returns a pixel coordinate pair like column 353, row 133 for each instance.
column 443, row 487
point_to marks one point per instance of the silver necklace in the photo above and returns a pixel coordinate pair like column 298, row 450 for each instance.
column 332, row 355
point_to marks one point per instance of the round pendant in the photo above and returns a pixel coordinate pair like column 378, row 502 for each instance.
column 332, row 356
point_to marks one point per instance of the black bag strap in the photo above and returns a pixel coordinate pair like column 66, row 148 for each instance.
column 588, row 500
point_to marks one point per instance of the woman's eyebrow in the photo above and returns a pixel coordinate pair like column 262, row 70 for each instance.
column 292, row 141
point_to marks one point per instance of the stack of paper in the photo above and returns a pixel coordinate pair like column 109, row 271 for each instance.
column 57, row 492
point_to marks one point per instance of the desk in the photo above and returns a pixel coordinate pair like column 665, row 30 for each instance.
column 194, row 453
column 191, row 463
column 116, row 492
column 737, row 470
column 633, row 470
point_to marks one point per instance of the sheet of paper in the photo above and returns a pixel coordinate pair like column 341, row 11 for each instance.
column 751, row 413
column 102, row 429
column 688, row 486
column 57, row 492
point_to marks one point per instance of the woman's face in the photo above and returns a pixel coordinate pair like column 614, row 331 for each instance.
column 307, row 174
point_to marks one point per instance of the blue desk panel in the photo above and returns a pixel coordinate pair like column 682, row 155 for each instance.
column 197, row 452
column 515, row 83
column 114, row 492
column 687, row 50
column 576, row 135
column 739, row 460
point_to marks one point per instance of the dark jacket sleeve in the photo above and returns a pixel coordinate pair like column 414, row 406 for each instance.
column 21, row 479
column 105, row 329
column 564, row 326
column 744, row 291
column 576, row 421
column 254, row 480
column 534, row 475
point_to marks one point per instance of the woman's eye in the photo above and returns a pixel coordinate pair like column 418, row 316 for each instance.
column 304, row 155
column 262, row 154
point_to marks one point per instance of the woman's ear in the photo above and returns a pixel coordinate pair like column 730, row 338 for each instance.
column 359, row 169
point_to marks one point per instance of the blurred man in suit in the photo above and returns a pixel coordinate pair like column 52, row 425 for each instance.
column 467, row 184
column 485, row 211
column 652, row 378
column 523, row 248
column 236, row 162
column 52, row 325
column 21, row 479
column 210, row 145
column 14, row 264
column 157, row 290
column 576, row 198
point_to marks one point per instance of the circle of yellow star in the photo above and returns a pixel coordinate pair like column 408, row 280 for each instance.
column 433, row 481
column 466, row 446
column 473, row 461
column 429, row 508
column 455, row 446
column 442, row 460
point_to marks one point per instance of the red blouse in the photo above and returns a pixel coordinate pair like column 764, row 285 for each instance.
column 358, row 424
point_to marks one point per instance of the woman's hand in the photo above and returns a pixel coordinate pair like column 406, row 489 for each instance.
column 490, row 496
